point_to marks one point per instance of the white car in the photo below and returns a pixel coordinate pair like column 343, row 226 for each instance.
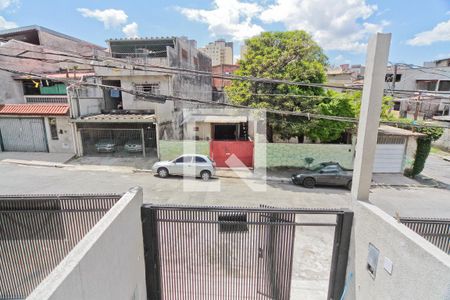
column 194, row 165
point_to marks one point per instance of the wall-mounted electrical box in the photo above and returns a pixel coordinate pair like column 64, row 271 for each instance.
column 372, row 260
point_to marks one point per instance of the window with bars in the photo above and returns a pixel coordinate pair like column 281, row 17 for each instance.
column 426, row 85
column 53, row 128
column 152, row 88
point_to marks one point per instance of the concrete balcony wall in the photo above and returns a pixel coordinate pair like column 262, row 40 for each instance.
column 108, row 263
column 420, row 270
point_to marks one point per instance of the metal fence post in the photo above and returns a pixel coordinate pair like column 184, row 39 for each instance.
column 143, row 141
column 339, row 260
column 152, row 268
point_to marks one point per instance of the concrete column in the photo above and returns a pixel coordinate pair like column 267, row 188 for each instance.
column 376, row 64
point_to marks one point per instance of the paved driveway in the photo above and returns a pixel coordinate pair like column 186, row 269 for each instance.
column 437, row 168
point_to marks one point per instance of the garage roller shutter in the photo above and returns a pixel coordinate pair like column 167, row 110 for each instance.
column 389, row 158
column 23, row 134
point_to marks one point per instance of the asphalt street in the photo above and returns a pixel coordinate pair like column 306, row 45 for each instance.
column 19, row 179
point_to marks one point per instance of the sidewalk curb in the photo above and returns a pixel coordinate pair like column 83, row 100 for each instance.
column 100, row 168
column 401, row 185
column 149, row 171
column 142, row 171
column 34, row 163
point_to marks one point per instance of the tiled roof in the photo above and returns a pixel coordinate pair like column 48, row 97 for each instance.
column 34, row 109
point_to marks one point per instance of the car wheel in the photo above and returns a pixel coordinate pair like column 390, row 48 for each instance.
column 349, row 185
column 205, row 175
column 163, row 172
column 309, row 182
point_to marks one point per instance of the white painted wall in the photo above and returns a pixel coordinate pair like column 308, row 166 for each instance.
column 108, row 263
column 203, row 133
column 444, row 141
column 65, row 142
column 420, row 270
column 130, row 102
column 410, row 76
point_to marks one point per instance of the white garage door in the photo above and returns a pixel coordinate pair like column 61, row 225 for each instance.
column 389, row 158
column 23, row 134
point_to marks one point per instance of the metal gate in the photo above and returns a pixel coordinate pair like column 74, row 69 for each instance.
column 231, row 253
column 23, row 134
column 221, row 151
column 119, row 142
column 276, row 246
column 38, row 231
column 435, row 230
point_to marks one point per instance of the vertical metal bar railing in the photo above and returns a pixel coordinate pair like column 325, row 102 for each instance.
column 38, row 231
column 230, row 253
column 435, row 230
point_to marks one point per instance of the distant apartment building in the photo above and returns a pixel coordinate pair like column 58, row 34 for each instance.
column 220, row 51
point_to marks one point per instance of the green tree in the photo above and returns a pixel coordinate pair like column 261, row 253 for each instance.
column 338, row 104
column 293, row 56
column 423, row 143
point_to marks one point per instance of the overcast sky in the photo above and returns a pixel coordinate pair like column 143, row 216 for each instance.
column 421, row 29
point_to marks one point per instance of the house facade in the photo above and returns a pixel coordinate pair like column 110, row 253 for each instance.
column 34, row 113
column 36, row 128
column 123, row 118
column 432, row 77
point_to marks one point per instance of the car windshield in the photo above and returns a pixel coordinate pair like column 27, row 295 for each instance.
column 316, row 167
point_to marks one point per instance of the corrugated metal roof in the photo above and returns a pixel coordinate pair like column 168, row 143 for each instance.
column 34, row 109
column 390, row 130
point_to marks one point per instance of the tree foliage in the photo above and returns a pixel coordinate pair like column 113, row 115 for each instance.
column 423, row 143
column 292, row 56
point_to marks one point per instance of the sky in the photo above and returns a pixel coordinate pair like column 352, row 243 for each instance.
column 420, row 29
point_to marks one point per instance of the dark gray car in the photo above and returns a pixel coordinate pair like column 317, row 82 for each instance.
column 327, row 173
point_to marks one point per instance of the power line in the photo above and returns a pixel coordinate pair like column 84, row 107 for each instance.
column 161, row 98
column 175, row 70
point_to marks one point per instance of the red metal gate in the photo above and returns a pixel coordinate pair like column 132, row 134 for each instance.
column 224, row 152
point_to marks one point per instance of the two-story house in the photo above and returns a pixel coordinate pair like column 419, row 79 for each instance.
column 432, row 77
column 127, row 124
column 34, row 113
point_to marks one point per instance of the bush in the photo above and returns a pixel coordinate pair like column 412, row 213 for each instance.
column 424, row 147
column 408, row 172
column 309, row 161
column 423, row 144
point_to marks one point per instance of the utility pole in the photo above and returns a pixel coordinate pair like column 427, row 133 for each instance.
column 418, row 104
column 394, row 79
column 376, row 65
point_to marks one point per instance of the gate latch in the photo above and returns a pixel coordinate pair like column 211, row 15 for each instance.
column 260, row 253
